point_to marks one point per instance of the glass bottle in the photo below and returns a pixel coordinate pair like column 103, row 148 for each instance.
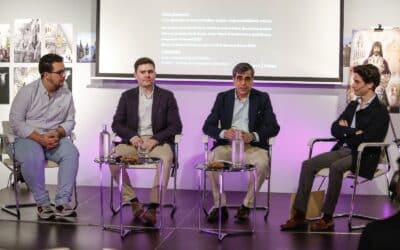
column 237, row 149
column 104, row 144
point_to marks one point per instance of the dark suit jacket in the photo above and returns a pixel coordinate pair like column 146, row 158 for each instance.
column 261, row 117
column 381, row 234
column 165, row 118
column 374, row 122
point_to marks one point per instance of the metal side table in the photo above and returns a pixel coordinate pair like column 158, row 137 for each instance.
column 228, row 168
column 142, row 163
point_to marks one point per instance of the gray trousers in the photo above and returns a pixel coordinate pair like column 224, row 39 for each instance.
column 338, row 162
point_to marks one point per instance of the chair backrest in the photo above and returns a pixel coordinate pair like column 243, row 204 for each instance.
column 7, row 131
column 388, row 157
column 6, row 137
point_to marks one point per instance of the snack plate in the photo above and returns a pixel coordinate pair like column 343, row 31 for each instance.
column 229, row 166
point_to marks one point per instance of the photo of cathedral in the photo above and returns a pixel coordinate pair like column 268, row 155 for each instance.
column 58, row 40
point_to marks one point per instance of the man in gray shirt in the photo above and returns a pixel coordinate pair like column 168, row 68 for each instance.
column 42, row 117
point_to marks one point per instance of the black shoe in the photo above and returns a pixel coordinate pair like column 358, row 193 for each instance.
column 213, row 215
column 242, row 213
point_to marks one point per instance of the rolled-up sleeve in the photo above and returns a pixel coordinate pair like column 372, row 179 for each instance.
column 18, row 112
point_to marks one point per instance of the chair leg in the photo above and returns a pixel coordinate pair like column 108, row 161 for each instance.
column 268, row 198
column 352, row 215
column 322, row 182
column 174, row 200
column 388, row 184
column 76, row 196
column 14, row 209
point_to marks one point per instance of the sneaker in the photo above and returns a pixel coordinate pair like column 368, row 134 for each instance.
column 45, row 212
column 137, row 209
column 242, row 213
column 65, row 211
column 323, row 225
column 214, row 214
column 150, row 217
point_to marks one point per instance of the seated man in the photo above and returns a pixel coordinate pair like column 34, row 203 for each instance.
column 147, row 117
column 249, row 111
column 42, row 116
column 363, row 120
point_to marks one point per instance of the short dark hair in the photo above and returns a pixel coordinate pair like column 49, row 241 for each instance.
column 46, row 63
column 241, row 68
column 369, row 73
column 143, row 60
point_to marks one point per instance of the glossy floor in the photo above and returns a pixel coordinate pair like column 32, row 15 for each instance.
column 181, row 231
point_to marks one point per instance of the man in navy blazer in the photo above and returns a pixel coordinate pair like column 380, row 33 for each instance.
column 363, row 120
column 248, row 111
column 147, row 119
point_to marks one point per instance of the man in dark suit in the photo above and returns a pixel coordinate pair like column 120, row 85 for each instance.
column 249, row 112
column 363, row 120
column 147, row 119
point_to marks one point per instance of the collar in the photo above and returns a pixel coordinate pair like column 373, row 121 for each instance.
column 243, row 100
column 142, row 93
column 367, row 103
column 44, row 91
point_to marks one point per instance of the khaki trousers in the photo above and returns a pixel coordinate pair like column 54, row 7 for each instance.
column 253, row 155
column 163, row 152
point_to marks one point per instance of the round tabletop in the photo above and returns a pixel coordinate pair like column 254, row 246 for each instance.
column 227, row 167
column 127, row 164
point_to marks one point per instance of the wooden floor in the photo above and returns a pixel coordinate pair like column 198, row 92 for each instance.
column 181, row 232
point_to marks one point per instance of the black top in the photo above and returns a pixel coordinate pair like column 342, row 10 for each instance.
column 374, row 122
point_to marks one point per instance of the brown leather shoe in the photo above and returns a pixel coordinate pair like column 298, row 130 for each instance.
column 322, row 225
column 150, row 217
column 137, row 209
column 294, row 224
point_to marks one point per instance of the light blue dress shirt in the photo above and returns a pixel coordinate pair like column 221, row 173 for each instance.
column 34, row 110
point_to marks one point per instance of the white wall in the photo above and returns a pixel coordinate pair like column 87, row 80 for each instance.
column 302, row 112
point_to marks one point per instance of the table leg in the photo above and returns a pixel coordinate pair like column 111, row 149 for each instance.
column 101, row 195
column 201, row 199
column 221, row 190
column 161, row 192
column 255, row 199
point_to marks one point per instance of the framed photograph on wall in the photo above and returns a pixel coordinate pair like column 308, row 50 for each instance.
column 5, row 43
column 4, row 85
column 68, row 77
column 22, row 77
column 382, row 49
column 27, row 43
column 86, row 47
column 58, row 40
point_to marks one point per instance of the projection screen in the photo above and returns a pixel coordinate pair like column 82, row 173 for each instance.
column 285, row 40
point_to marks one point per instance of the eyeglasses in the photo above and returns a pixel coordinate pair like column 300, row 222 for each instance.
column 60, row 72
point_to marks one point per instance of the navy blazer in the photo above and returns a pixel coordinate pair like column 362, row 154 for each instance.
column 374, row 122
column 165, row 118
column 262, row 119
